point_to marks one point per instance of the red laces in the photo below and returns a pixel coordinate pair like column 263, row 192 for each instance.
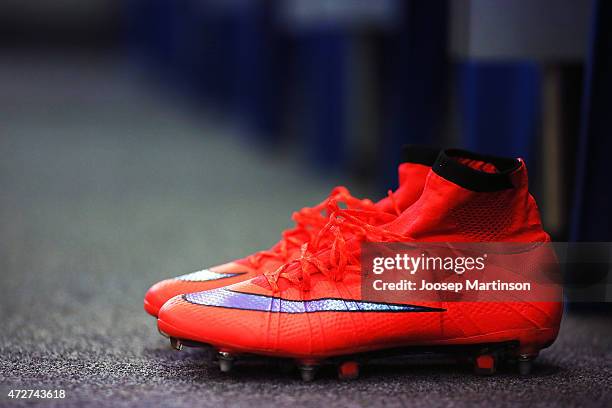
column 341, row 260
column 308, row 221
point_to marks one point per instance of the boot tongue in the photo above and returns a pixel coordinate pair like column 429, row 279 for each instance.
column 416, row 164
column 478, row 165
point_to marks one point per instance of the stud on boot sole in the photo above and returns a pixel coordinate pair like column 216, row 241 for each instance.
column 176, row 343
column 525, row 365
column 308, row 372
column 226, row 361
column 484, row 364
column 349, row 370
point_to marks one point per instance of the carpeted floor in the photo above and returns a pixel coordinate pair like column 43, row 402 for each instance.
column 105, row 189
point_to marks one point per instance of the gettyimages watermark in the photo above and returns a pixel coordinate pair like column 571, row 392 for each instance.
column 486, row 272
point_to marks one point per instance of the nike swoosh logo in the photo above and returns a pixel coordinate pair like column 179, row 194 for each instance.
column 206, row 275
column 248, row 301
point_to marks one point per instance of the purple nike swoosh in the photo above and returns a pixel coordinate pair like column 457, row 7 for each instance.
column 248, row 301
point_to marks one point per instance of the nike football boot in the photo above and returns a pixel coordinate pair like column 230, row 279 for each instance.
column 416, row 162
column 312, row 310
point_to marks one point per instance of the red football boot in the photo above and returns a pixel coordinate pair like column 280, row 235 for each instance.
column 417, row 161
column 312, row 309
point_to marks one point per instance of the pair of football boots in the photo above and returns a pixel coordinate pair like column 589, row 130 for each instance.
column 302, row 299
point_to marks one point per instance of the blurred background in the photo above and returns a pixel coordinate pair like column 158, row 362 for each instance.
column 336, row 86
column 142, row 139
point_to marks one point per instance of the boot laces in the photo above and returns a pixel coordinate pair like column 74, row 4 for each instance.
column 340, row 260
column 308, row 221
